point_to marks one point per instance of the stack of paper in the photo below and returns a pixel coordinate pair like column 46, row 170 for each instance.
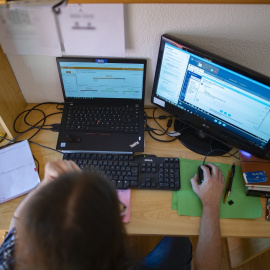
column 187, row 203
column 18, row 173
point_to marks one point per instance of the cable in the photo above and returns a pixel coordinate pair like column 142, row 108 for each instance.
column 215, row 150
column 43, row 120
column 163, row 131
column 3, row 137
column 161, row 140
column 46, row 147
column 37, row 163
column 60, row 109
column 52, row 127
column 14, row 123
column 40, row 104
column 13, row 142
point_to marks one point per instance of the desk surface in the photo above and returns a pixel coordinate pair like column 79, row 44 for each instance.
column 151, row 212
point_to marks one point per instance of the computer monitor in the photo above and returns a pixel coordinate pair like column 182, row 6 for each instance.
column 218, row 104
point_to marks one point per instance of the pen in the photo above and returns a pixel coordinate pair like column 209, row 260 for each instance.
column 231, row 179
column 227, row 185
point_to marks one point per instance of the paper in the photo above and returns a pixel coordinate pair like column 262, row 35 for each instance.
column 124, row 197
column 18, row 173
column 29, row 31
column 186, row 202
column 92, row 29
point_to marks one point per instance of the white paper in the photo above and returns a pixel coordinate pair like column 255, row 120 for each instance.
column 29, row 31
column 18, row 173
column 93, row 29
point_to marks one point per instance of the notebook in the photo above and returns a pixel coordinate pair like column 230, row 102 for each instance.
column 255, row 165
column 18, row 172
column 103, row 104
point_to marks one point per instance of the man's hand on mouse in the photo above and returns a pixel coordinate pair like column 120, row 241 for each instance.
column 211, row 190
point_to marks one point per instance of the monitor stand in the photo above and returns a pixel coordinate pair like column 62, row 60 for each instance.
column 199, row 142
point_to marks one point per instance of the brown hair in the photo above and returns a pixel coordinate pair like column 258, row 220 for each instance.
column 73, row 223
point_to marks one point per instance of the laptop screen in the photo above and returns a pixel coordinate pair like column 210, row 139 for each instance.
column 102, row 78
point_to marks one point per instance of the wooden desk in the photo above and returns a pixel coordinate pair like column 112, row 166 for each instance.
column 151, row 212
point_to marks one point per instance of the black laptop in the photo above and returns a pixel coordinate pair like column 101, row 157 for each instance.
column 103, row 104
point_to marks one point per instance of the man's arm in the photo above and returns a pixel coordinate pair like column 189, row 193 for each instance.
column 209, row 249
column 52, row 170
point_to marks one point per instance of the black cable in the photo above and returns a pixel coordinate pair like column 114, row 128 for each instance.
column 45, row 116
column 47, row 147
column 163, row 131
column 14, row 123
column 59, row 104
column 51, row 126
column 9, row 142
column 13, row 142
column 43, row 120
column 174, row 139
column 34, row 108
column 31, row 126
column 37, row 163
column 215, row 150
column 3, row 137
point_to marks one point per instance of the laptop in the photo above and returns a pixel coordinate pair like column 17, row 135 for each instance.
column 103, row 104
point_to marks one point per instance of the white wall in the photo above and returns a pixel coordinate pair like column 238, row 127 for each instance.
column 238, row 32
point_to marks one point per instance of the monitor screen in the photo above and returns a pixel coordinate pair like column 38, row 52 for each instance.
column 213, row 97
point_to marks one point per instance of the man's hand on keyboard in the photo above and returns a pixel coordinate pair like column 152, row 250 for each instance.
column 54, row 169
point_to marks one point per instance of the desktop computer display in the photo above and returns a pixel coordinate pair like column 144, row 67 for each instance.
column 218, row 104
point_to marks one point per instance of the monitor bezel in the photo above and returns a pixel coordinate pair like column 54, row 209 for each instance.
column 203, row 125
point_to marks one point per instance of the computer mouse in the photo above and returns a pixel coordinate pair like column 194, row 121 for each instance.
column 200, row 173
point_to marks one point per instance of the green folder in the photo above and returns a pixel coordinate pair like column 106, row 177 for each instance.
column 187, row 203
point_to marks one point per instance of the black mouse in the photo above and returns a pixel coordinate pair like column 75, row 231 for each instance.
column 200, row 173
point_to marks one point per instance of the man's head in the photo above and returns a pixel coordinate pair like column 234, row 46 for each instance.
column 73, row 222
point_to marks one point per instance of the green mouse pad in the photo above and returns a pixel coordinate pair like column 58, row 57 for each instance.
column 187, row 203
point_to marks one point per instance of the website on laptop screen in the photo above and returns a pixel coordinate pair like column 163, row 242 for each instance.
column 102, row 80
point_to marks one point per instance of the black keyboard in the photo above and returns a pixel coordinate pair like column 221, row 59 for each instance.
column 131, row 171
column 103, row 119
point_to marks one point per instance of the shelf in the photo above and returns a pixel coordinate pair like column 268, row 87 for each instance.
column 171, row 1
column 3, row 2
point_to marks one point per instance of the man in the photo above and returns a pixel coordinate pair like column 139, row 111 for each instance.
column 209, row 250
column 55, row 212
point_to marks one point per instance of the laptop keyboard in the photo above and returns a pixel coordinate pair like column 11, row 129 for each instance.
column 103, row 119
column 130, row 171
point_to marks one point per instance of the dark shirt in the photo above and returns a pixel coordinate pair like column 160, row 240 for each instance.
column 7, row 251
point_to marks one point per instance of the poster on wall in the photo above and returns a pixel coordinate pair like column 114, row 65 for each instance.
column 92, row 29
column 79, row 29
column 29, row 31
